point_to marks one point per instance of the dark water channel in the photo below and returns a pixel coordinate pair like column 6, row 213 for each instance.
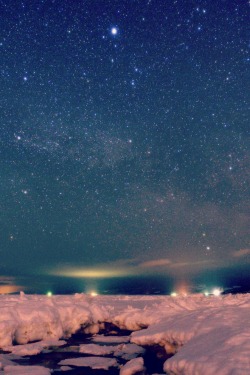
column 154, row 357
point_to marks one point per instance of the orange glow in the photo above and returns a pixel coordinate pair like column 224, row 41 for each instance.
column 7, row 289
column 182, row 288
column 91, row 272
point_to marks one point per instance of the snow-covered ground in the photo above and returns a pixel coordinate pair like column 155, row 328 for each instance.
column 209, row 335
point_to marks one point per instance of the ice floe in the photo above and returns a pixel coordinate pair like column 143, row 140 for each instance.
column 34, row 348
column 125, row 351
column 95, row 363
column 110, row 339
column 26, row 370
column 132, row 367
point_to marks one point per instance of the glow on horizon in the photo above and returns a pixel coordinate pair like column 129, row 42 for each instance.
column 94, row 273
column 9, row 289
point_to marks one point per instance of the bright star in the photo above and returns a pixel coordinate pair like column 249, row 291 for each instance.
column 114, row 31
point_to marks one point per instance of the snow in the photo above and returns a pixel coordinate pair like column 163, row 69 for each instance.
column 208, row 335
column 132, row 367
column 94, row 362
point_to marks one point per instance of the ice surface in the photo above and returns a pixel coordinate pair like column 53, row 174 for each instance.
column 34, row 348
column 26, row 370
column 94, row 362
column 125, row 351
column 210, row 335
column 111, row 339
column 95, row 349
column 129, row 351
column 65, row 368
column 132, row 367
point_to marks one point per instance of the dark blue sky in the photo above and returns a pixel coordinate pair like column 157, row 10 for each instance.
column 124, row 137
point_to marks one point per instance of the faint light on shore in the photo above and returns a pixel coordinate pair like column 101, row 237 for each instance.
column 173, row 294
column 49, row 294
column 93, row 294
column 206, row 293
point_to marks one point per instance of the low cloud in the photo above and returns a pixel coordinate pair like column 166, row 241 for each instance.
column 191, row 264
column 93, row 273
column 156, row 263
column 241, row 253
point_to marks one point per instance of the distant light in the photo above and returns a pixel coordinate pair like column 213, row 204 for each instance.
column 206, row 293
column 49, row 294
column 173, row 294
column 114, row 31
column 216, row 292
column 93, row 294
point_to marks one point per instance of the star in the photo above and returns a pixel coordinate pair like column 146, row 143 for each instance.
column 114, row 31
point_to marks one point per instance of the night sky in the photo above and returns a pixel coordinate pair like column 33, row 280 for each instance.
column 124, row 137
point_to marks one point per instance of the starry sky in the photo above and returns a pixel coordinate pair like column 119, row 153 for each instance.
column 124, row 137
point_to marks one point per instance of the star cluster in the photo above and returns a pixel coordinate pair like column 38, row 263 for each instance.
column 124, row 133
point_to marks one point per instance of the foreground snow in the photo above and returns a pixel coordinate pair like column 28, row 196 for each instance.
column 210, row 335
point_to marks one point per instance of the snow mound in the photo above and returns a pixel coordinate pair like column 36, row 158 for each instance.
column 31, row 318
column 214, row 340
